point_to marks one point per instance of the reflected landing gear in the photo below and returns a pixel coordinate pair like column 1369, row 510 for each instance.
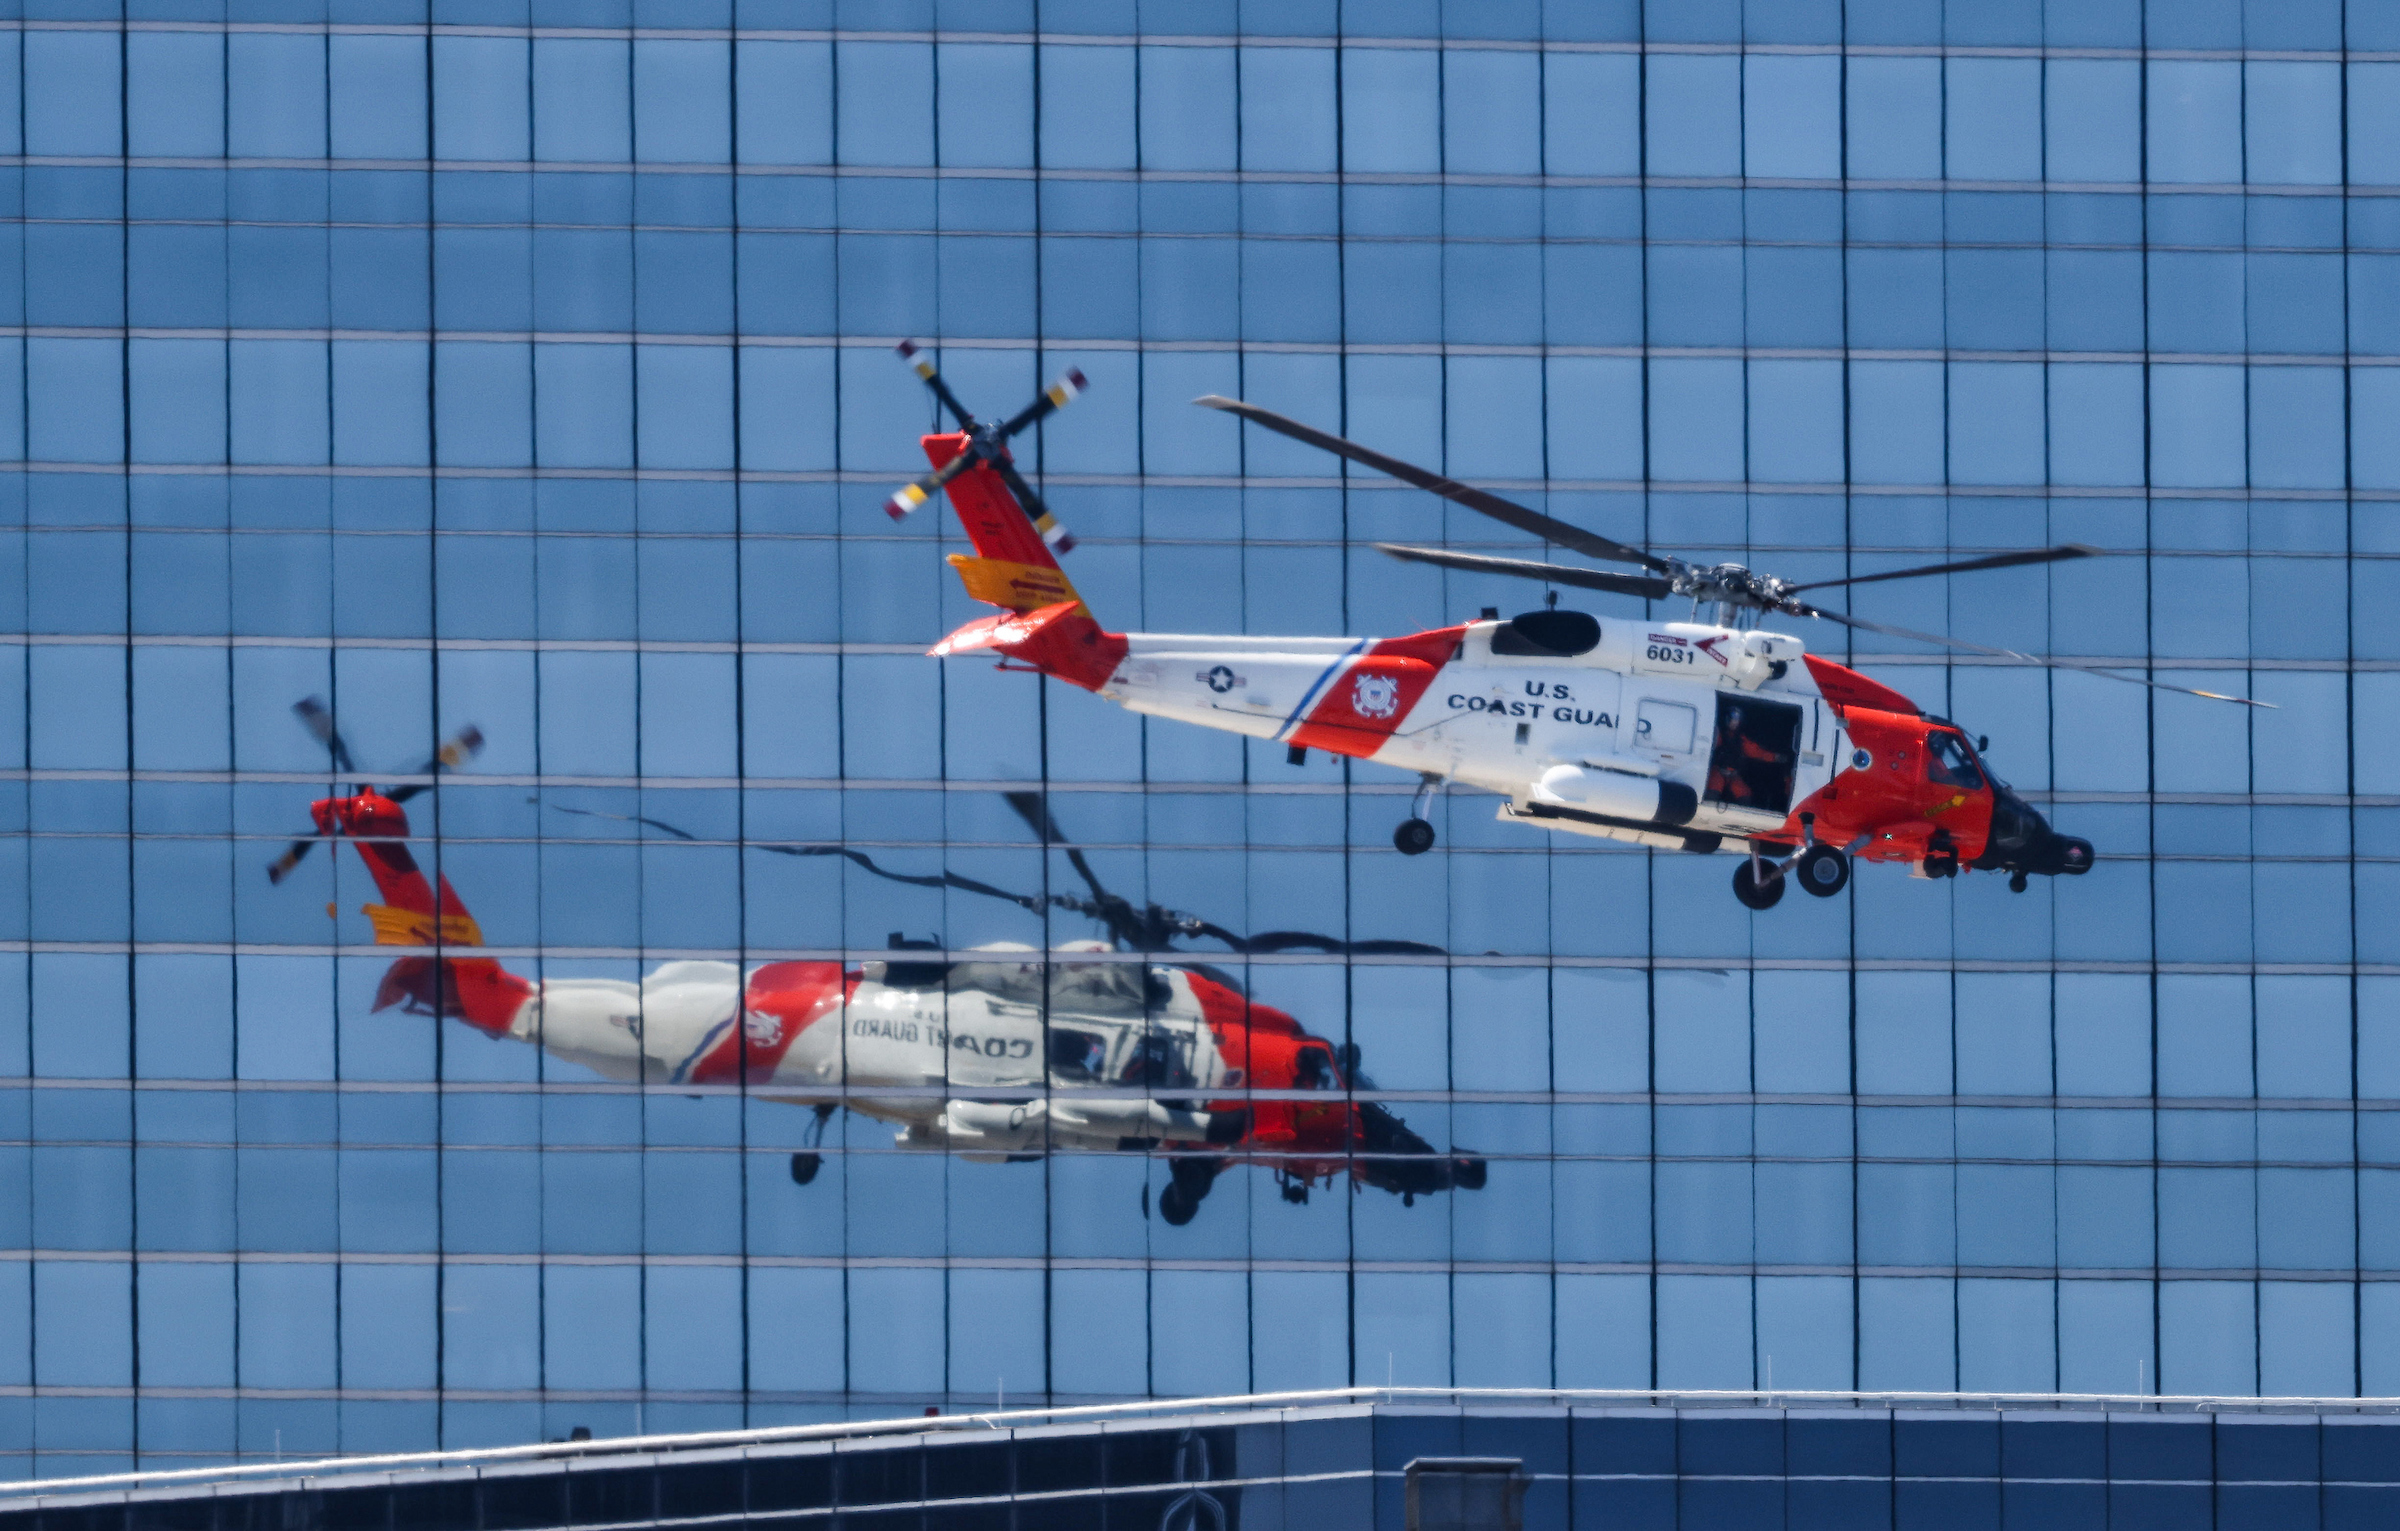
column 1415, row 835
column 807, row 1162
column 1188, row 1181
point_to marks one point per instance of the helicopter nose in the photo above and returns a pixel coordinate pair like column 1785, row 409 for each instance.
column 2074, row 855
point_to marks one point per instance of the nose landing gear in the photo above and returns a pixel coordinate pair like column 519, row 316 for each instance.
column 1414, row 837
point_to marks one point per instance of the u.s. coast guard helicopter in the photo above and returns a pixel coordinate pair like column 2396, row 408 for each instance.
column 1694, row 736
column 1009, row 1053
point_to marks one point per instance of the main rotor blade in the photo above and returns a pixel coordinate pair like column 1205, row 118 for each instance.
column 1995, row 561
column 1508, row 512
column 1647, row 587
column 2081, row 666
column 1034, row 809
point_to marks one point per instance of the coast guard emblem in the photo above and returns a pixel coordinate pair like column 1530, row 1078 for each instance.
column 1375, row 696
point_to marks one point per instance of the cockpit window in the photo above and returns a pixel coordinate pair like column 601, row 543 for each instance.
column 1947, row 763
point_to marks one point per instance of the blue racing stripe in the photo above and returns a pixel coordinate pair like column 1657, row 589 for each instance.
column 683, row 1070
column 1301, row 711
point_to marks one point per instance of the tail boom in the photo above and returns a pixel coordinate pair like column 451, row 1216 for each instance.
column 1059, row 640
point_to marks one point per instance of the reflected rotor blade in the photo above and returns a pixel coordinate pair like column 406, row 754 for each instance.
column 1647, row 587
column 1995, row 561
column 1288, row 940
column 632, row 818
column 2084, row 667
column 317, row 718
column 1508, row 512
column 944, row 879
column 1034, row 809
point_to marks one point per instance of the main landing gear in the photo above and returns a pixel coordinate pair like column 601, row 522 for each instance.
column 806, row 1163
column 1414, row 837
column 1820, row 870
column 1188, row 1180
column 1758, row 882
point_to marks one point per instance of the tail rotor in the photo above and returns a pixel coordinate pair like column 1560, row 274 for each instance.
column 987, row 447
column 317, row 718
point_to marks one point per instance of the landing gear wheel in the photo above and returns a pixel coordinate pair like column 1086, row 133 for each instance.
column 1752, row 891
column 805, row 1167
column 1176, row 1206
column 1188, row 1178
column 2016, row 882
column 1822, row 870
column 1414, row 837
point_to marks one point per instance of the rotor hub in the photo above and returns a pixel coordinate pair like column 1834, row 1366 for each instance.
column 1731, row 585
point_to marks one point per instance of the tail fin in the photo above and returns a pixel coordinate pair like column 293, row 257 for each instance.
column 1047, row 625
column 1013, row 566
column 413, row 913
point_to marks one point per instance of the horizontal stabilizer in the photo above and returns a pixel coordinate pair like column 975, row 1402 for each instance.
column 1016, row 586
column 1060, row 640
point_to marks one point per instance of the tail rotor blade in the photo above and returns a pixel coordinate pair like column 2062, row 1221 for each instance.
column 317, row 718
column 455, row 752
column 1057, row 538
column 913, row 495
column 293, row 855
column 1053, row 398
column 923, row 366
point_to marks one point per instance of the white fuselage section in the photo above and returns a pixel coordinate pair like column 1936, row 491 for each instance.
column 956, row 1054
column 1597, row 734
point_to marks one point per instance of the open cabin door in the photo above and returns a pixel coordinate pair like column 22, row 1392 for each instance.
column 1753, row 755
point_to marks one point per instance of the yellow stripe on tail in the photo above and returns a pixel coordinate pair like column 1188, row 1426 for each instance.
column 407, row 927
column 1015, row 586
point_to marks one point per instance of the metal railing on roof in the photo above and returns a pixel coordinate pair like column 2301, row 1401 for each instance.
column 25, row 1494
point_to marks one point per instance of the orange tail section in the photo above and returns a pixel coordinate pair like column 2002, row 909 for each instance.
column 1047, row 625
column 478, row 990
column 1012, row 566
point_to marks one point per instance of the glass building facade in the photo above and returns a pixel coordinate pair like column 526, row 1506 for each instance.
column 527, row 367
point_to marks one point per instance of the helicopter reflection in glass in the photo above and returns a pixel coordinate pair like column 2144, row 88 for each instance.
column 1004, row 1053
